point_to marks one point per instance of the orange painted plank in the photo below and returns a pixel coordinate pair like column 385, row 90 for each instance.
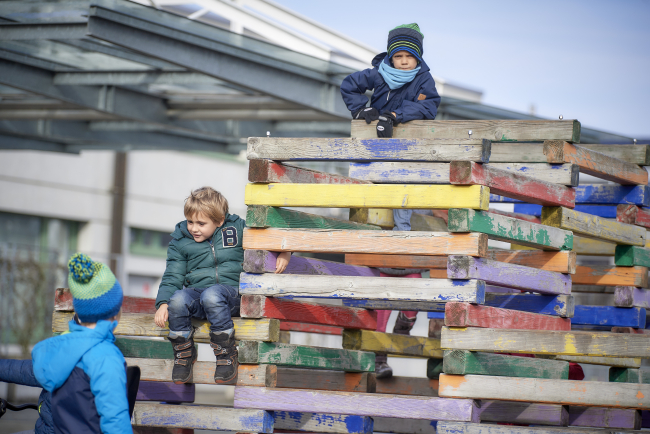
column 611, row 276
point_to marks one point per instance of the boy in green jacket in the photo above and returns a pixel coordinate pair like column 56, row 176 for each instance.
column 204, row 261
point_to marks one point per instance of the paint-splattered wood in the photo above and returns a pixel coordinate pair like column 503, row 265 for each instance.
column 404, row 345
column 463, row 362
column 524, row 413
column 599, row 417
column 254, row 352
column 534, row 153
column 610, row 316
column 628, row 256
column 591, row 226
column 627, row 296
column 404, row 426
column 322, row 423
column 516, row 215
column 407, row 386
column 607, row 194
column 469, row 315
column 512, row 185
column 560, row 305
column 140, row 324
column 165, row 391
column 370, row 149
column 377, row 242
column 371, row 404
column 509, row 229
column 561, row 174
column 402, row 172
column 508, row 275
column 263, row 261
column 624, row 375
column 382, row 288
column 258, row 306
column 308, row 328
column 571, row 392
column 624, row 362
column 297, row 378
column 161, row 370
column 261, row 216
column 573, row 343
column 611, row 276
column 384, row 219
column 145, row 348
column 591, row 247
column 199, row 417
column 495, row 130
column 594, row 163
column 633, row 215
column 606, row 211
column 480, row 428
column 63, row 303
column 272, row 171
column 405, row 196
column 398, row 261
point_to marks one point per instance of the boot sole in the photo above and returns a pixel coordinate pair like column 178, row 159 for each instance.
column 189, row 379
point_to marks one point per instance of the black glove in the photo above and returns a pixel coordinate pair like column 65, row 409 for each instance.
column 368, row 113
column 385, row 125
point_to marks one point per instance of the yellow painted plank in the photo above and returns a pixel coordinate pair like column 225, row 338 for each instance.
column 369, row 196
column 403, row 345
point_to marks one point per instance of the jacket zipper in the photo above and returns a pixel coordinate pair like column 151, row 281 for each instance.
column 214, row 255
column 388, row 96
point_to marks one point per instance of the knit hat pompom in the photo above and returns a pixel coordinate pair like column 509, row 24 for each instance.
column 82, row 268
column 406, row 37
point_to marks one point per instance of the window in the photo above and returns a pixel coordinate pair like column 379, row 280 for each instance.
column 146, row 242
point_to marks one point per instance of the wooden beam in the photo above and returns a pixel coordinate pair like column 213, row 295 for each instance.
column 633, row 215
column 628, row 296
column 606, row 194
column 560, row 305
column 165, row 391
column 261, row 216
column 468, row 315
column 611, row 276
column 624, row 375
column 370, row 149
column 635, row 154
column 534, row 153
column 384, row 219
column 592, row 247
column 509, row 229
column 396, row 305
column 161, row 370
column 266, row 171
column 263, row 261
column 595, row 163
column 398, row 261
column 593, row 227
column 259, row 306
column 512, row 185
column 573, row 343
column 508, row 275
column 376, row 242
column 363, row 404
column 403, row 426
column 403, row 345
column 145, row 348
column 462, row 362
column 625, row 362
column 495, row 130
column 383, row 288
column 628, row 256
column 290, row 326
column 480, row 428
column 321, row 423
column 561, row 174
column 413, row 386
column 517, row 215
column 610, row 316
column 599, row 417
column 567, row 392
column 63, row 303
column 139, row 324
column 401, row 172
column 404, row 196
column 524, row 413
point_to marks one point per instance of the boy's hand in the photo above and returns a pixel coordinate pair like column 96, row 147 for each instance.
column 368, row 113
column 161, row 316
column 385, row 124
column 282, row 262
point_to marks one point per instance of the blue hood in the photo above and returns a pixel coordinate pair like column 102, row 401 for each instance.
column 383, row 57
column 55, row 358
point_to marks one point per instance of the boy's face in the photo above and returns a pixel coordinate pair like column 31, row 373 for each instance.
column 201, row 227
column 404, row 60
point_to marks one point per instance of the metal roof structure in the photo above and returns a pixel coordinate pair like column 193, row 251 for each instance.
column 201, row 75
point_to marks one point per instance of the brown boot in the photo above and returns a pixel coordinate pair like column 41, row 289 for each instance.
column 382, row 370
column 185, row 354
column 223, row 344
column 403, row 324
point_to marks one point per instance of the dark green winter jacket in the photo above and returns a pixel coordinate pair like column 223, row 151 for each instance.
column 197, row 265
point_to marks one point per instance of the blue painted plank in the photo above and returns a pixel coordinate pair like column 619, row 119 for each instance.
column 327, row 423
column 560, row 305
column 436, row 315
column 609, row 316
column 596, row 194
column 420, row 306
column 606, row 211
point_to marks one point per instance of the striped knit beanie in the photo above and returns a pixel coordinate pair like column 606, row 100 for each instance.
column 406, row 37
column 96, row 293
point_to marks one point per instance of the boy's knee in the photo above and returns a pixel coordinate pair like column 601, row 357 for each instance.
column 214, row 296
column 178, row 303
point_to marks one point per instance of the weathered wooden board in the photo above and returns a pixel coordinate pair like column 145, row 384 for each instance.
column 398, row 261
column 573, row 343
column 593, row 227
column 321, row 379
column 272, row 171
column 624, row 362
column 368, row 149
column 594, row 163
column 628, row 256
column 403, row 172
column 630, row 330
column 145, row 348
column 141, row 324
column 405, row 196
column 627, row 296
column 420, row 306
column 404, row 426
column 560, row 305
column 571, row 392
column 290, row 326
column 161, row 369
column 517, row 215
column 263, row 261
column 606, row 211
column 610, row 316
column 509, row 229
column 524, row 413
column 534, row 153
column 473, row 428
column 370, row 404
column 63, row 303
column 607, row 194
column 508, row 275
column 321, row 423
column 378, row 242
column 404, row 345
column 510, row 184
column 624, row 375
column 632, row 214
column 611, row 276
column 495, row 130
column 412, row 386
column 254, row 352
column 259, row 306
column 461, row 362
column 382, row 288
column 165, row 391
column 198, row 417
column 592, row 247
column 261, row 216
column 561, row 174
column 599, row 417
column 469, row 315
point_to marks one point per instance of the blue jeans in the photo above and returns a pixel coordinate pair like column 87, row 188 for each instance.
column 402, row 218
column 218, row 304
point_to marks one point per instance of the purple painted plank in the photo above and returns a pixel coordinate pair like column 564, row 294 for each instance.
column 262, row 261
column 629, row 296
column 508, row 275
column 165, row 392
column 602, row 417
column 362, row 404
column 645, row 418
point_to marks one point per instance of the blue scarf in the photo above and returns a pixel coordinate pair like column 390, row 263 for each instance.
column 396, row 78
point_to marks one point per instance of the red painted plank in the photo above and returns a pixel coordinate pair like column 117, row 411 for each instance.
column 63, row 302
column 270, row 171
column 632, row 214
column 512, row 185
column 310, row 328
column 469, row 315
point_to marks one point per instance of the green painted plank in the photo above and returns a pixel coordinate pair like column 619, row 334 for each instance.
column 628, row 256
column 262, row 216
column 434, row 368
column 254, row 352
column 624, row 375
column 145, row 348
column 510, row 229
column 463, row 362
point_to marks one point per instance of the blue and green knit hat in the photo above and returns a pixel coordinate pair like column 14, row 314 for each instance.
column 96, row 293
column 406, row 37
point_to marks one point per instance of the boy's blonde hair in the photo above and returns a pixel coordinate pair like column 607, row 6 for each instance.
column 208, row 201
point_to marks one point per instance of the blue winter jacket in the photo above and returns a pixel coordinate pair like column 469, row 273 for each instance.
column 418, row 99
column 86, row 374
